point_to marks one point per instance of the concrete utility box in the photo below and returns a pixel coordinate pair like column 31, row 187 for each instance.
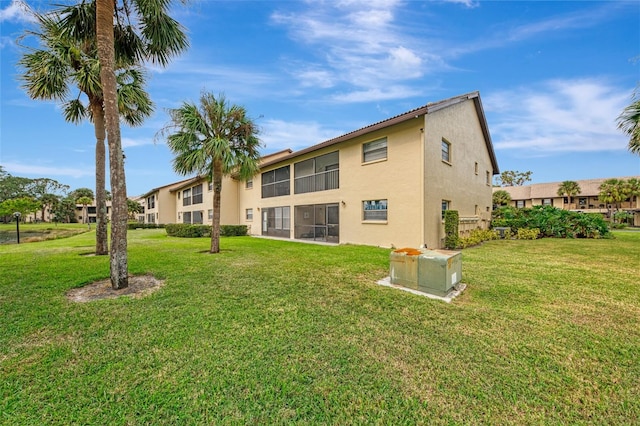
column 430, row 271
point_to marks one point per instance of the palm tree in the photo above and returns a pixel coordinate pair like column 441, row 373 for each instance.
column 66, row 59
column 85, row 201
column 213, row 140
column 629, row 123
column 613, row 192
column 157, row 37
column 569, row 188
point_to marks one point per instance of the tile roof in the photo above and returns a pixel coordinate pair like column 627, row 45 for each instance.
column 588, row 188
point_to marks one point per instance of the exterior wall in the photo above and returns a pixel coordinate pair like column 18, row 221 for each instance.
column 228, row 202
column 456, row 181
column 396, row 179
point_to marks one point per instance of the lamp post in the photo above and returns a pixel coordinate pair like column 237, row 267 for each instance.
column 17, row 216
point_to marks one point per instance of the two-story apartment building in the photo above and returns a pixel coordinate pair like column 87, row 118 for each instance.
column 385, row 184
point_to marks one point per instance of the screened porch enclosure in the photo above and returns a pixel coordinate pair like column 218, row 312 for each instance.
column 318, row 222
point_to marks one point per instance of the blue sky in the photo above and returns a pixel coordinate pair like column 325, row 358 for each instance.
column 553, row 77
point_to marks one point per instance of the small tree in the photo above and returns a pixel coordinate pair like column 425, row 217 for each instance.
column 213, row 140
column 569, row 188
column 514, row 178
column 134, row 208
column 501, row 198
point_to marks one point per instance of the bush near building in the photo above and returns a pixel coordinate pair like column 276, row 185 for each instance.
column 552, row 222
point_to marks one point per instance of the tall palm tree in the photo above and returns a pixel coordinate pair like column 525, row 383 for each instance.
column 66, row 60
column 214, row 140
column 156, row 37
column 570, row 189
column 85, row 201
column 629, row 123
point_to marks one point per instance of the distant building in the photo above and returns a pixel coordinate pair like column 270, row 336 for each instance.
column 386, row 184
column 587, row 201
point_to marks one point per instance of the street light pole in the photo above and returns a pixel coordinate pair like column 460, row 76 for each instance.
column 17, row 216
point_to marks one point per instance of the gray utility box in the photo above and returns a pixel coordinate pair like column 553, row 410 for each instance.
column 429, row 271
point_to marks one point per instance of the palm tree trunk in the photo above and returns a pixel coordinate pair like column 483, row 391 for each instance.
column 215, row 226
column 106, row 55
column 102, row 246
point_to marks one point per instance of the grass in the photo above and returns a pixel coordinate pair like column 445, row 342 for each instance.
column 275, row 332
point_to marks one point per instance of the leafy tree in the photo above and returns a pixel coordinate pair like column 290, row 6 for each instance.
column 501, row 198
column 156, row 37
column 64, row 210
column 133, row 207
column 629, row 123
column 82, row 192
column 213, row 140
column 14, row 187
column 24, row 205
column 569, row 188
column 514, row 178
column 47, row 192
column 67, row 59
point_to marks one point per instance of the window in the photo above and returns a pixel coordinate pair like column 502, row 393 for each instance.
column 520, row 204
column 488, row 178
column 375, row 150
column 186, row 198
column 210, row 186
column 197, row 217
column 196, row 197
column 186, row 217
column 276, row 183
column 476, row 168
column 582, row 201
column 210, row 214
column 445, row 206
column 151, row 202
column 276, row 221
column 248, row 214
column 446, row 151
column 151, row 218
column 547, row 202
column 249, row 184
column 317, row 174
column 374, row 210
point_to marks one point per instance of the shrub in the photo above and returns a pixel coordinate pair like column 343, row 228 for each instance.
column 552, row 222
column 478, row 236
column 451, row 219
column 138, row 225
column 186, row 230
column 233, row 230
column 528, row 234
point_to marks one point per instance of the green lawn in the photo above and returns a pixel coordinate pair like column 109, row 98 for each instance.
column 278, row 332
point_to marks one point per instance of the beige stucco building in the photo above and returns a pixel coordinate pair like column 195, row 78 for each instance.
column 385, row 184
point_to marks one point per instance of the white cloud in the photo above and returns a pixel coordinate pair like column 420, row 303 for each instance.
column 130, row 142
column 279, row 134
column 376, row 94
column 360, row 46
column 558, row 116
column 17, row 11
column 39, row 170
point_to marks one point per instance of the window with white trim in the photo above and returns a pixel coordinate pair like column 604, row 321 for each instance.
column 374, row 150
column 446, row 151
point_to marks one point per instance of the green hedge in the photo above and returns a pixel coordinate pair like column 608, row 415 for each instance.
column 186, row 230
column 451, row 237
column 233, row 230
column 138, row 225
column 552, row 222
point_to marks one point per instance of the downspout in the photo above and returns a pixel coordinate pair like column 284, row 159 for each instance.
column 423, row 137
